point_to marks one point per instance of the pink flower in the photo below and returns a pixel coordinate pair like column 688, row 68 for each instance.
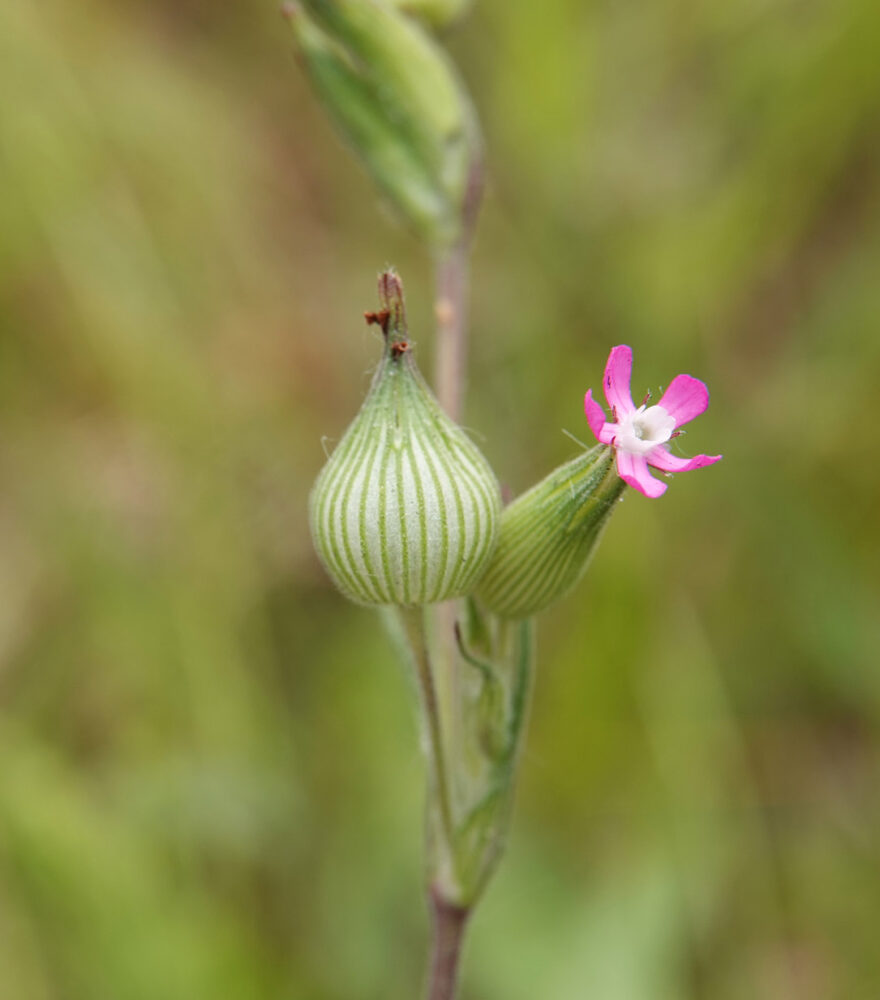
column 639, row 434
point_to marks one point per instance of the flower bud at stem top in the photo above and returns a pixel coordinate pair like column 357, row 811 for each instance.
column 406, row 510
column 549, row 534
column 398, row 102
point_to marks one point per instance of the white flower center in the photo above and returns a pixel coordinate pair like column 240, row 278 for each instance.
column 641, row 430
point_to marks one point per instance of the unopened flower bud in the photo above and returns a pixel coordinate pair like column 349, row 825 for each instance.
column 397, row 100
column 406, row 509
column 548, row 535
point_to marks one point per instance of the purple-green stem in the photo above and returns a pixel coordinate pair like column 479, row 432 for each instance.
column 450, row 308
column 451, row 283
column 414, row 625
column 450, row 366
column 449, row 923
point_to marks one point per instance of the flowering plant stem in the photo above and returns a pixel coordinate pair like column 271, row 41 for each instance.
column 450, row 364
column 471, row 770
column 450, row 307
column 440, row 793
column 449, row 923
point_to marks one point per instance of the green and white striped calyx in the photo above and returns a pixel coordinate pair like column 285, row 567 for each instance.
column 549, row 534
column 406, row 510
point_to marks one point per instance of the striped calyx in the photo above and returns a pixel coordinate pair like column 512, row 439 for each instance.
column 406, row 510
column 549, row 534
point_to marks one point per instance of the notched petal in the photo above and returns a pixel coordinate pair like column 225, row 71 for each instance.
column 595, row 413
column 633, row 470
column 687, row 397
column 618, row 373
column 665, row 461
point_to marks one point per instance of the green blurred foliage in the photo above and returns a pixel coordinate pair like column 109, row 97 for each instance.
column 210, row 782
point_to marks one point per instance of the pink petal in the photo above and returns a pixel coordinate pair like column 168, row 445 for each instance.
column 687, row 397
column 665, row 461
column 596, row 419
column 618, row 373
column 633, row 469
column 595, row 416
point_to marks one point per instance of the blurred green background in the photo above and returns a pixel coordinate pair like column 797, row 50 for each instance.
column 210, row 783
